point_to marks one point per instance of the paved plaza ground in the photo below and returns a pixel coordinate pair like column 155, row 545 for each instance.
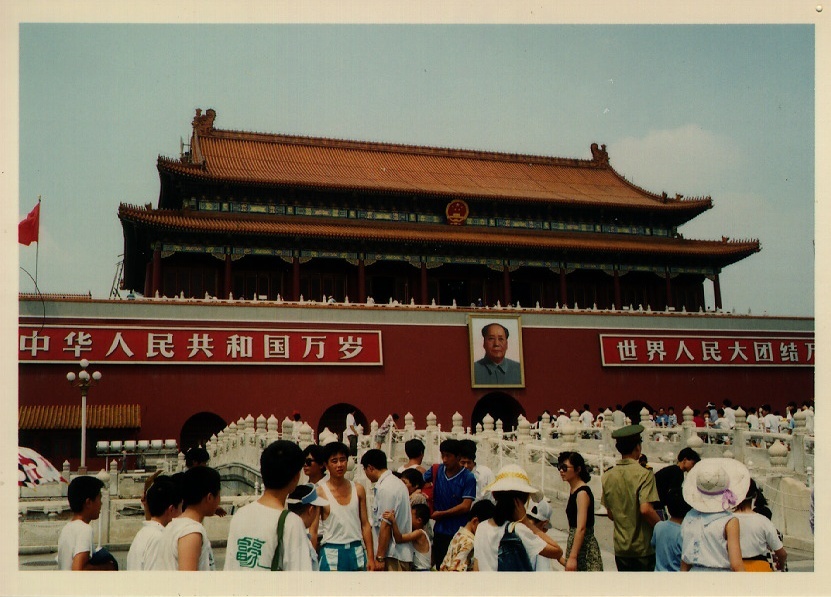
column 798, row 560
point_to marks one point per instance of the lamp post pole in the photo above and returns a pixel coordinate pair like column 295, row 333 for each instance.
column 83, row 380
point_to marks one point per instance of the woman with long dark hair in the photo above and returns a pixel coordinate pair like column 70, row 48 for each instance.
column 582, row 550
column 511, row 490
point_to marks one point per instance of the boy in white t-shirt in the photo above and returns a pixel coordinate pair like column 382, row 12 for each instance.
column 252, row 537
column 75, row 544
column 184, row 543
column 163, row 501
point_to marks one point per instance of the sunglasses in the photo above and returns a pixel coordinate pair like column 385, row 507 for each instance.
column 309, row 462
column 564, row 467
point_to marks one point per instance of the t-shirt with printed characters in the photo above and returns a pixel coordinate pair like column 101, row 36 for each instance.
column 252, row 539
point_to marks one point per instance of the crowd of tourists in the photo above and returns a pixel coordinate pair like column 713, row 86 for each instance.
column 453, row 516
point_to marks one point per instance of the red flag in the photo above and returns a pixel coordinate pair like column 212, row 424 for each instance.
column 27, row 230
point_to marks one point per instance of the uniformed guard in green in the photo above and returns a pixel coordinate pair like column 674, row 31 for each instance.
column 628, row 492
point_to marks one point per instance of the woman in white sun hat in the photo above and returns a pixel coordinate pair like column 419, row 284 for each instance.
column 710, row 531
column 511, row 490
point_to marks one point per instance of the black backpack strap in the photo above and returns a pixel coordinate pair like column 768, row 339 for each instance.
column 277, row 560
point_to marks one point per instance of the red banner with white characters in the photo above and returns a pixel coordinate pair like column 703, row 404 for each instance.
column 664, row 350
column 199, row 346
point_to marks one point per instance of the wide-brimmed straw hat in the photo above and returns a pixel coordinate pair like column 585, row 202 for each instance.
column 716, row 484
column 513, row 477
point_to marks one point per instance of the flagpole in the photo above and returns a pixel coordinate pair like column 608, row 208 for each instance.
column 37, row 248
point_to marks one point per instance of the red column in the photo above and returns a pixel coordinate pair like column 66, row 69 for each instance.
column 157, row 272
column 424, row 296
column 506, row 285
column 295, row 278
column 361, row 281
column 563, row 293
column 617, row 291
column 227, row 285
column 669, row 290
column 717, row 291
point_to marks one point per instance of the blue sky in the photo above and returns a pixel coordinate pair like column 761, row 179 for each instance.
column 719, row 110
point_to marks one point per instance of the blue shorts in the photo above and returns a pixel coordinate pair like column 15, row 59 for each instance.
column 343, row 557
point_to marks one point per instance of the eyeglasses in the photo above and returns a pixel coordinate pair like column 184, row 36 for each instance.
column 564, row 467
column 309, row 462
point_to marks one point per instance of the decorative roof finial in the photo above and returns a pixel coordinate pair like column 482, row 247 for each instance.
column 204, row 124
column 599, row 154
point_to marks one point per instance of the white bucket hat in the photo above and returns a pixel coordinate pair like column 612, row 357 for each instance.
column 716, row 484
column 513, row 477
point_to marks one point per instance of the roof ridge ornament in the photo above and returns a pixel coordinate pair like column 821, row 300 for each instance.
column 599, row 154
column 204, row 124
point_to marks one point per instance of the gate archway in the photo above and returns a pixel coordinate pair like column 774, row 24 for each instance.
column 199, row 428
column 334, row 418
column 633, row 410
column 500, row 406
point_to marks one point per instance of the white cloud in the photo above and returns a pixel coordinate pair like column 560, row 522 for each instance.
column 688, row 160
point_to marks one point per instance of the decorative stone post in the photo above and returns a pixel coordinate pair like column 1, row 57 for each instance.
column 688, row 425
column 499, row 430
column 180, row 462
column 574, row 416
column 696, row 443
column 431, row 422
column 458, row 425
column 645, row 421
column 488, row 425
column 569, row 437
column 409, row 422
column 739, row 435
column 778, row 456
column 231, row 436
column 305, row 435
column 272, row 435
column 104, row 516
column 798, row 441
column 479, row 428
column 287, row 429
column 545, row 426
column 261, row 431
column 523, row 429
column 65, row 470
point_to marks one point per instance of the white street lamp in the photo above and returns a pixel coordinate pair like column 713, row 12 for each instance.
column 83, row 380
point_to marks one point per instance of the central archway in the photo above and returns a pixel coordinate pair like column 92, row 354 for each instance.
column 199, row 428
column 500, row 406
column 334, row 418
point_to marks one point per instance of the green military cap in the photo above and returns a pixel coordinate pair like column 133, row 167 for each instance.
column 627, row 431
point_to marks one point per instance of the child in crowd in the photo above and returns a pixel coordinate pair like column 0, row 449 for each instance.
column 304, row 502
column 666, row 535
column 540, row 514
column 75, row 544
column 164, row 503
column 459, row 555
column 418, row 537
column 184, row 543
column 254, row 536
column 414, row 482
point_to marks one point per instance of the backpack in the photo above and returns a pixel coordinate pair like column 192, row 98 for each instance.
column 512, row 556
column 428, row 491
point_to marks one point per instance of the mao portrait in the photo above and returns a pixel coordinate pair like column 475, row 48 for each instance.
column 496, row 352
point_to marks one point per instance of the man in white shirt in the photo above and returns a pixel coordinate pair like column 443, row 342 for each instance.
column 389, row 493
column 562, row 420
column 729, row 413
column 771, row 420
column 350, row 435
column 164, row 502
column 618, row 416
column 586, row 417
column 809, row 416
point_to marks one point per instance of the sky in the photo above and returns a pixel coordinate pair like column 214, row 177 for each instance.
column 719, row 110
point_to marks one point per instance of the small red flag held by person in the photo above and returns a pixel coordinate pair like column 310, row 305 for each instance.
column 27, row 230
